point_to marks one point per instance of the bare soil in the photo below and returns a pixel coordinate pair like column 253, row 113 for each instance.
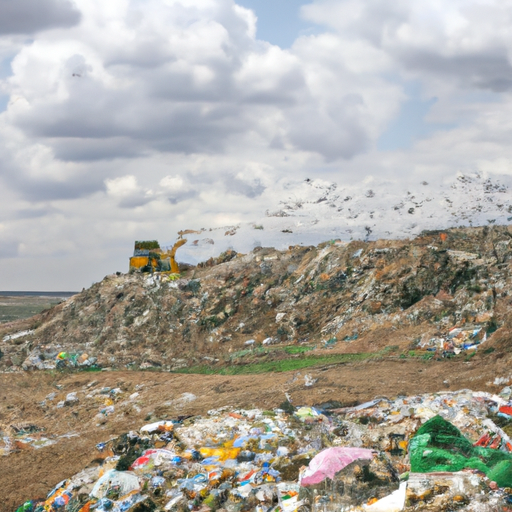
column 31, row 473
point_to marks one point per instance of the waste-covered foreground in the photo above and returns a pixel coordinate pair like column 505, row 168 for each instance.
column 441, row 452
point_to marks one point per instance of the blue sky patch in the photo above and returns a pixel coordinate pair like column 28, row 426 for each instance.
column 279, row 21
column 410, row 124
column 5, row 71
column 4, row 100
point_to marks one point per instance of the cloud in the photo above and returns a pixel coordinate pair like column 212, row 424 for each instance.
column 31, row 170
column 81, row 149
column 44, row 189
column 464, row 42
column 175, row 189
column 250, row 188
column 9, row 245
column 9, row 249
column 35, row 213
column 127, row 192
column 30, row 16
column 150, row 117
column 193, row 79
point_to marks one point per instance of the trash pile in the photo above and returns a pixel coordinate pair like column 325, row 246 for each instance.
column 441, row 452
column 64, row 359
column 26, row 436
column 452, row 287
column 106, row 401
column 458, row 339
column 50, row 357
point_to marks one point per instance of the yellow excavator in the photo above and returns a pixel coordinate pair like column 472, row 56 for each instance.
column 149, row 257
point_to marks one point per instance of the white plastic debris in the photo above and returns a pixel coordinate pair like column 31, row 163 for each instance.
column 279, row 317
column 395, row 502
column 159, row 426
column 309, row 380
column 174, row 501
column 71, row 399
column 16, row 335
column 124, row 481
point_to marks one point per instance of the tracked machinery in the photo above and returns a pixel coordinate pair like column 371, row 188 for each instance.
column 148, row 256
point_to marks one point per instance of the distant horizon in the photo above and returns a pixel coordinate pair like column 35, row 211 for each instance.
column 21, row 293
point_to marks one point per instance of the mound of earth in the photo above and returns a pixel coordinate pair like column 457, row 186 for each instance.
column 442, row 291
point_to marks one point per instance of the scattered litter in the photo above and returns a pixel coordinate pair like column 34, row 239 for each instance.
column 330, row 343
column 309, row 380
column 233, row 299
column 71, row 399
column 395, row 502
column 17, row 335
column 122, row 482
column 458, row 339
column 441, row 451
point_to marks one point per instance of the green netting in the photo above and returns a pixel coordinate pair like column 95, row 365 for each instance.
column 501, row 473
column 439, row 446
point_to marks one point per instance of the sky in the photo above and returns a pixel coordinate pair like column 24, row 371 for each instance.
column 134, row 119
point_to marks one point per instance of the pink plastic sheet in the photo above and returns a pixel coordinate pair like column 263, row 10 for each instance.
column 328, row 462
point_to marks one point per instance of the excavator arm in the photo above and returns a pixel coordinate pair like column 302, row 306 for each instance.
column 174, row 265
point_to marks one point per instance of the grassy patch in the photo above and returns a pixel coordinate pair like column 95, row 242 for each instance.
column 248, row 352
column 470, row 355
column 278, row 366
column 90, row 369
column 292, row 350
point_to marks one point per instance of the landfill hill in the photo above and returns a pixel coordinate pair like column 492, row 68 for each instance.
column 443, row 292
column 350, row 321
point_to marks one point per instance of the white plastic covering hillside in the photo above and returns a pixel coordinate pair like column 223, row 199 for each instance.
column 314, row 211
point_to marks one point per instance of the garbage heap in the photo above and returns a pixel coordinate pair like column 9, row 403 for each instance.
column 440, row 452
column 442, row 293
